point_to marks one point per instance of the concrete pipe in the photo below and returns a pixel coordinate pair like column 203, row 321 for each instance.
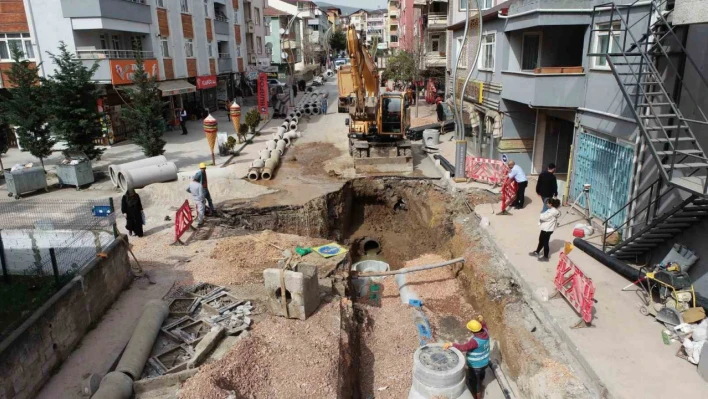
column 115, row 385
column 291, row 135
column 329, row 73
column 281, row 146
column 276, row 157
column 139, row 178
column 270, row 166
column 270, row 145
column 308, row 111
column 113, row 170
column 293, row 126
column 298, row 114
column 316, row 111
column 254, row 174
column 291, row 115
column 264, row 154
column 282, row 129
column 309, row 89
column 258, row 163
column 140, row 345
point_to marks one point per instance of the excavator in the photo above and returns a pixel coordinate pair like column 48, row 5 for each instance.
column 378, row 120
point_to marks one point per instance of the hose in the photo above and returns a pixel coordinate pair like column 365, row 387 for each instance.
column 408, row 270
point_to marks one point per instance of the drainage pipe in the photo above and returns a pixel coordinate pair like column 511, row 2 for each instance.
column 115, row 385
column 293, row 125
column 501, row 379
column 270, row 145
column 140, row 345
column 258, row 163
column 270, row 166
column 264, row 154
column 445, row 164
column 316, row 110
column 275, row 157
column 280, row 148
column 254, row 174
column 622, row 268
column 113, row 170
column 408, row 270
column 139, row 178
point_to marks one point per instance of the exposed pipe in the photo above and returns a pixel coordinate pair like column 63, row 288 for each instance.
column 139, row 178
column 407, row 270
column 270, row 145
column 501, row 379
column 264, row 154
column 280, row 148
column 115, row 385
column 113, row 170
column 270, row 166
column 254, row 174
column 138, row 350
column 258, row 163
column 445, row 164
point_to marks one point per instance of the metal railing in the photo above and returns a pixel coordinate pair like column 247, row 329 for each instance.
column 137, row 1
column 225, row 56
column 221, row 18
column 99, row 54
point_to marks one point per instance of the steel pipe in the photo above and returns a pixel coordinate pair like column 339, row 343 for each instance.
column 138, row 350
column 113, row 170
column 139, row 178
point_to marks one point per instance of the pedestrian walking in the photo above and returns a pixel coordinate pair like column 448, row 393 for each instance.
column 440, row 111
column 477, row 355
column 195, row 188
column 547, row 185
column 132, row 210
column 516, row 173
column 324, row 105
column 548, row 222
column 201, row 177
column 183, row 120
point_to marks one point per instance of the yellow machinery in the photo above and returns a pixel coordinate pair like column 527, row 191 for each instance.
column 377, row 121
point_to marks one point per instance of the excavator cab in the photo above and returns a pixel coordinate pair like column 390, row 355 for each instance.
column 394, row 114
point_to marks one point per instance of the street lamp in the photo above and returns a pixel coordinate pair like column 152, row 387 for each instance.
column 284, row 55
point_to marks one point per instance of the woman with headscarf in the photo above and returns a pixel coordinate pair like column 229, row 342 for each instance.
column 132, row 209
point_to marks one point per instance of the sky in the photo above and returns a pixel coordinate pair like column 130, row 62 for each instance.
column 372, row 4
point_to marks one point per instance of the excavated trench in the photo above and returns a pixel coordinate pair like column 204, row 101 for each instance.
column 411, row 217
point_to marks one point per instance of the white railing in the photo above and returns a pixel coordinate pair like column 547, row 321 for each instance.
column 437, row 19
column 112, row 54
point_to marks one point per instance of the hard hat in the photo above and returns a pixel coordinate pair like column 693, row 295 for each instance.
column 202, row 165
column 474, row 326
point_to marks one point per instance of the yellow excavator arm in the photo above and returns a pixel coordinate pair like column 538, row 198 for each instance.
column 364, row 73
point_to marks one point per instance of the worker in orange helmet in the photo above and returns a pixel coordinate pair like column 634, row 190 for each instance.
column 477, row 356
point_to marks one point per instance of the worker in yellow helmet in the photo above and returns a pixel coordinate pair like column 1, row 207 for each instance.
column 477, row 356
column 201, row 177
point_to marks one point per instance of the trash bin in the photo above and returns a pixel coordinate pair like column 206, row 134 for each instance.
column 25, row 180
column 75, row 170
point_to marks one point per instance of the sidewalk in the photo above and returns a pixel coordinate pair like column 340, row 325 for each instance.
column 623, row 349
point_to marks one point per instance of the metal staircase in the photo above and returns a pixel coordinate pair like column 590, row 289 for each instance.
column 643, row 47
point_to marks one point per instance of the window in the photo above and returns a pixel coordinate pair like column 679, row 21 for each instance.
column 463, row 5
column 267, row 28
column 116, row 42
column 206, row 8
column 184, row 6
column 458, row 51
column 259, row 45
column 210, row 48
column 434, row 42
column 394, row 39
column 165, row 47
column 238, row 51
column 486, row 60
column 487, row 4
column 257, row 13
column 161, row 3
column 315, row 28
column 188, row 48
column 236, row 21
column 21, row 41
column 602, row 42
column 531, row 51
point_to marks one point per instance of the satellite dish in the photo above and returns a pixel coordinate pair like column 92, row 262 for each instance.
column 284, row 55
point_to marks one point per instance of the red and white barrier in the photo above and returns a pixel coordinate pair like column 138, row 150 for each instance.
column 577, row 288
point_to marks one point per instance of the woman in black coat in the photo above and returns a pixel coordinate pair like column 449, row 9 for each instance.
column 132, row 209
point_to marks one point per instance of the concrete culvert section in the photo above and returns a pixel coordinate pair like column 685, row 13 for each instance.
column 438, row 373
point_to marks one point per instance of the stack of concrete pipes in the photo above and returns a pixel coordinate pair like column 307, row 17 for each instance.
column 269, row 159
column 139, row 174
column 311, row 102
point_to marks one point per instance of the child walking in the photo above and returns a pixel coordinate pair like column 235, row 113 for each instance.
column 548, row 221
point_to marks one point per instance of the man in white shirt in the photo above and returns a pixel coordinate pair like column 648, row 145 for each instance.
column 516, row 173
column 195, row 188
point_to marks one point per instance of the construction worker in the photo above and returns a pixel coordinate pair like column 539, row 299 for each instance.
column 477, row 356
column 195, row 188
column 201, row 177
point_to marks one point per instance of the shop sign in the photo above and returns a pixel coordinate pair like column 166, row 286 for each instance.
column 206, row 82
column 262, row 93
column 252, row 75
column 122, row 71
column 272, row 75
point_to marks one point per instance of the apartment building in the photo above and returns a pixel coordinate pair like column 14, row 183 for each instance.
column 199, row 50
column 613, row 96
column 376, row 27
column 334, row 15
column 411, row 24
column 393, row 17
column 306, row 41
column 432, row 35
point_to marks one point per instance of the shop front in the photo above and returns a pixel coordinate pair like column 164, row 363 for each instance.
column 206, row 88
column 175, row 96
column 224, row 89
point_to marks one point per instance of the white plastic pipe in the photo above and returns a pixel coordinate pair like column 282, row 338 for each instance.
column 139, row 178
column 275, row 157
column 113, row 170
column 291, row 135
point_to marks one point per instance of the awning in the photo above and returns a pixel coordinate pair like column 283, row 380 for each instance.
column 174, row 87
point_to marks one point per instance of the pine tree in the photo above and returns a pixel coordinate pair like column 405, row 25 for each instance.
column 71, row 99
column 144, row 113
column 4, row 144
column 26, row 108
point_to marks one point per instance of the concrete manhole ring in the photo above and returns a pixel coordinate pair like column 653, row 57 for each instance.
column 438, row 359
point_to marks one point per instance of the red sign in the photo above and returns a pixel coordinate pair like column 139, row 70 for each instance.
column 122, row 70
column 262, row 93
column 508, row 192
column 575, row 286
column 183, row 220
column 486, row 170
column 206, row 82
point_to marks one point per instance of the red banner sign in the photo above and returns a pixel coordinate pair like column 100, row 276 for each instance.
column 575, row 287
column 486, row 170
column 262, row 93
column 206, row 82
column 183, row 220
column 122, row 71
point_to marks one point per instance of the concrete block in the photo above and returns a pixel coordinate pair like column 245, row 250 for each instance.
column 205, row 346
column 302, row 291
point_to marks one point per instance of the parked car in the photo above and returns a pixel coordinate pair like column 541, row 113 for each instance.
column 275, row 82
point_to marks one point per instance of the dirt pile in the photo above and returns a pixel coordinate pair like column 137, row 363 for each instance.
column 282, row 358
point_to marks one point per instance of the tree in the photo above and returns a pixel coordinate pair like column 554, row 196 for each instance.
column 71, row 98
column 401, row 66
column 144, row 113
column 4, row 144
column 338, row 41
column 26, row 109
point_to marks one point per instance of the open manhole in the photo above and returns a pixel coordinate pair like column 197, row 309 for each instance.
column 438, row 359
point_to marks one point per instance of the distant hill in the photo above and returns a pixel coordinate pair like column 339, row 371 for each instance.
column 346, row 10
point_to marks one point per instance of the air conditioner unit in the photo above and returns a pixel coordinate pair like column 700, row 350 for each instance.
column 251, row 58
column 250, row 27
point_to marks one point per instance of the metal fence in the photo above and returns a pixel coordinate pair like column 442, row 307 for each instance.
column 53, row 239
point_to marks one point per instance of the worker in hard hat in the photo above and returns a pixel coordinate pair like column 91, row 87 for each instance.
column 197, row 190
column 477, row 356
column 201, row 177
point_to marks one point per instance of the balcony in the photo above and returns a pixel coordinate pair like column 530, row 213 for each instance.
column 545, row 88
column 435, row 59
column 123, row 15
column 250, row 27
column 109, row 60
column 101, row 54
column 420, row 3
column 221, row 27
column 437, row 21
column 225, row 63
